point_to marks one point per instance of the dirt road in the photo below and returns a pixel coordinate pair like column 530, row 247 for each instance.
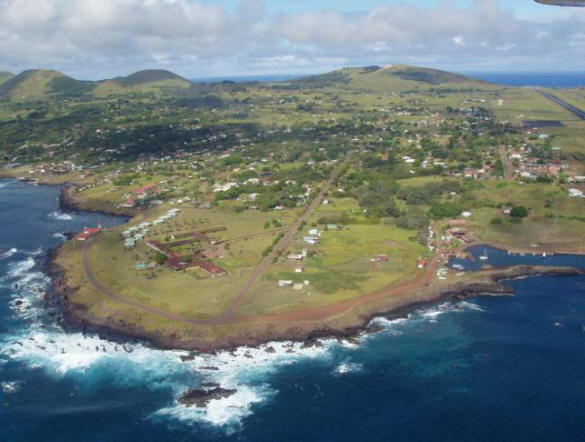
column 304, row 315
column 508, row 167
column 283, row 243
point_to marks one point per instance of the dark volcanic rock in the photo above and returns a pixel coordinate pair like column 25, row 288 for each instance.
column 200, row 398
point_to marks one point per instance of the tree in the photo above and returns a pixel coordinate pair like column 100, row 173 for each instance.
column 519, row 212
column 160, row 258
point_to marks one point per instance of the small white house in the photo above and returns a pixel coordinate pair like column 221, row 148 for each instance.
column 576, row 193
column 311, row 240
column 285, row 283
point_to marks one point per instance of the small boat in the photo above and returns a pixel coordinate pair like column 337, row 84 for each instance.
column 544, row 255
column 484, row 257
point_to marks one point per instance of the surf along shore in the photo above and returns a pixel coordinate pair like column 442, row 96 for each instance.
column 342, row 321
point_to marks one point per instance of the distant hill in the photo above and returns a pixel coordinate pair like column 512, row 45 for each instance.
column 38, row 84
column 4, row 76
column 392, row 78
column 142, row 81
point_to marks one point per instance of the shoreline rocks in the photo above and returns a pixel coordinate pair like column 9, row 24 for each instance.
column 200, row 398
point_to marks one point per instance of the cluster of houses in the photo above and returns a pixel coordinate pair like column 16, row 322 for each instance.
column 134, row 234
column 312, row 239
column 141, row 193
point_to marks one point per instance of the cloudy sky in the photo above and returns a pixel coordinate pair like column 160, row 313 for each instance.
column 93, row 39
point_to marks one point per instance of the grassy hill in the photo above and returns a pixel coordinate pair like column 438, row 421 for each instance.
column 4, row 76
column 393, row 78
column 143, row 81
column 37, row 84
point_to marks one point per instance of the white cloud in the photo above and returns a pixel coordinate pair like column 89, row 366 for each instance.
column 99, row 37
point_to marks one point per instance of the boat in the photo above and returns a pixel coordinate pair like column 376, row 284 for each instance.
column 485, row 256
column 544, row 255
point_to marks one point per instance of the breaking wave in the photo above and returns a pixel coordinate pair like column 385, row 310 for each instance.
column 91, row 359
column 348, row 367
column 8, row 253
column 60, row 236
column 61, row 216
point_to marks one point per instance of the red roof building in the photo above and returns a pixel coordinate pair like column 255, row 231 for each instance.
column 144, row 190
column 210, row 267
column 88, row 233
column 129, row 203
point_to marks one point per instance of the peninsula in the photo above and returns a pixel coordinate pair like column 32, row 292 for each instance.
column 292, row 210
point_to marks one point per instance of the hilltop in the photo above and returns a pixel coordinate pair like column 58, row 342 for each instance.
column 142, row 81
column 394, row 78
column 38, row 84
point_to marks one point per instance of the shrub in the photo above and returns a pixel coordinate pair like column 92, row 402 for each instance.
column 496, row 221
column 519, row 212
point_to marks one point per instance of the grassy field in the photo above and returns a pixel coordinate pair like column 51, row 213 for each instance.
column 556, row 220
column 519, row 104
column 340, row 267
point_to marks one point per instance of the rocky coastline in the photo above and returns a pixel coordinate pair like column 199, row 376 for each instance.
column 77, row 317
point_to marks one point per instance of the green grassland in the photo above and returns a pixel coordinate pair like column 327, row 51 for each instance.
column 192, row 293
column 340, row 267
column 520, row 104
column 576, row 97
column 272, row 143
column 556, row 220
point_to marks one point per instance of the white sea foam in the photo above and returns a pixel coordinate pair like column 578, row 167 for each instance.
column 20, row 268
column 8, row 253
column 86, row 358
column 10, row 387
column 348, row 367
column 60, row 236
column 227, row 412
column 61, row 216
column 36, row 252
column 466, row 305
column 247, row 370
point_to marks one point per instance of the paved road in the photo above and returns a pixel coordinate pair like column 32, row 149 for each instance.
column 573, row 109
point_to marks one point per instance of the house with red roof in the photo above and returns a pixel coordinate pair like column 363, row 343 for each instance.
column 88, row 233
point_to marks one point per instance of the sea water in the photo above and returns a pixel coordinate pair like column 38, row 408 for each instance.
column 509, row 368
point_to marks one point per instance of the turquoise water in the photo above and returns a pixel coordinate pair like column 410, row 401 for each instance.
column 485, row 369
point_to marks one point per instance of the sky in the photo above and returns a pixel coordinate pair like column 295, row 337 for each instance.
column 94, row 39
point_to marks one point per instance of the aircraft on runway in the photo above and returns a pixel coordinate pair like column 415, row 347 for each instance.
column 574, row 3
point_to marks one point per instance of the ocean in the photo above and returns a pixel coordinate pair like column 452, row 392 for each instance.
column 544, row 79
column 505, row 368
